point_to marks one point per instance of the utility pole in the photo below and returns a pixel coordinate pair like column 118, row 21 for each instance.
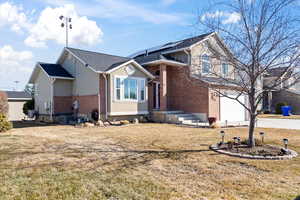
column 67, row 24
column 16, row 82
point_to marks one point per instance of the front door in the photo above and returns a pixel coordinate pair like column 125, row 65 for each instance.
column 156, row 95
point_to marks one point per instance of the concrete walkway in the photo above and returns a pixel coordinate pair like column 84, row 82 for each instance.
column 279, row 123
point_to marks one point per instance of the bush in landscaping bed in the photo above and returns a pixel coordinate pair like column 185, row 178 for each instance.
column 257, row 142
column 278, row 107
column 212, row 120
column 5, row 125
column 29, row 105
column 3, row 103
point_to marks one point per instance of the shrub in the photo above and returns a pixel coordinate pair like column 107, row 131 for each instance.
column 3, row 103
column 258, row 142
column 212, row 120
column 278, row 107
column 5, row 125
column 29, row 105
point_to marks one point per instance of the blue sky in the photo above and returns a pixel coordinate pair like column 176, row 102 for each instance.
column 30, row 30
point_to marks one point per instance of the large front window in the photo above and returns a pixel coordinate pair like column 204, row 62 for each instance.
column 130, row 89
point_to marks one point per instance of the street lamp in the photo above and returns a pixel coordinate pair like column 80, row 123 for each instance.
column 235, row 140
column 222, row 133
column 262, row 134
column 285, row 142
column 66, row 22
column 239, row 140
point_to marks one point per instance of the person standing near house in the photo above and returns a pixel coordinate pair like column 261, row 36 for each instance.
column 75, row 107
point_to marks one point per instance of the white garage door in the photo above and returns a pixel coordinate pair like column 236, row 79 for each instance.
column 15, row 110
column 231, row 110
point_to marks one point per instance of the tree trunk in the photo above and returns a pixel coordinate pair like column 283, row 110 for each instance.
column 251, row 138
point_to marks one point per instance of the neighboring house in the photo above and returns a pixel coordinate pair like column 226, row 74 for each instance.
column 16, row 100
column 170, row 79
column 115, row 86
column 287, row 89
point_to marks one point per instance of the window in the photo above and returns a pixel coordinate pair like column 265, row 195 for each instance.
column 130, row 89
column 118, row 88
column 206, row 64
column 142, row 90
column 225, row 69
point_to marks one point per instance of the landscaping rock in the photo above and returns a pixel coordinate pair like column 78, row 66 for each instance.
column 88, row 124
column 99, row 123
column 135, row 120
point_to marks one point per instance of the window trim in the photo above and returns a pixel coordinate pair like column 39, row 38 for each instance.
column 122, row 89
column 205, row 61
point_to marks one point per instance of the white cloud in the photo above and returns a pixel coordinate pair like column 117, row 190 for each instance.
column 168, row 2
column 14, row 66
column 121, row 9
column 84, row 32
column 225, row 17
column 13, row 16
column 232, row 18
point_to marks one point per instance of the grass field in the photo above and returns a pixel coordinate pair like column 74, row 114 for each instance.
column 146, row 161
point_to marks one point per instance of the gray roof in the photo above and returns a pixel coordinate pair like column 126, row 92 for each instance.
column 99, row 61
column 155, row 53
column 55, row 70
column 17, row 95
column 279, row 71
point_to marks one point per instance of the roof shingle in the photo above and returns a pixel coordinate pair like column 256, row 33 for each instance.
column 155, row 53
column 55, row 70
column 98, row 61
column 17, row 95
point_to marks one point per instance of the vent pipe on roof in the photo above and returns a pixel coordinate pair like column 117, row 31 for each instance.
column 146, row 54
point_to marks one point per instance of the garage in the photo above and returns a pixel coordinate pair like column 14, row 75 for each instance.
column 232, row 110
column 16, row 100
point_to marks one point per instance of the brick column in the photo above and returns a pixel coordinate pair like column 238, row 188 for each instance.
column 163, row 87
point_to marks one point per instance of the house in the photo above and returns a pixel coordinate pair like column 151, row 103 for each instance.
column 287, row 89
column 116, row 86
column 16, row 101
column 166, row 83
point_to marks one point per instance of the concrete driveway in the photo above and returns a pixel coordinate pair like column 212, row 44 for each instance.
column 279, row 123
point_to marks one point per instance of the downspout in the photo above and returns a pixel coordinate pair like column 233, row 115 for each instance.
column 105, row 78
column 52, row 80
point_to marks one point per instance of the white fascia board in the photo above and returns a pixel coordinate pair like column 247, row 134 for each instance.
column 19, row 99
column 165, row 62
column 32, row 73
column 60, row 77
column 136, row 64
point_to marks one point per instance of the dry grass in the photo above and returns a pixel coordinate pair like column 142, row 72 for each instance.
column 146, row 161
column 276, row 116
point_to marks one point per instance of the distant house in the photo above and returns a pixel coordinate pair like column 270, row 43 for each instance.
column 286, row 91
column 16, row 100
column 151, row 83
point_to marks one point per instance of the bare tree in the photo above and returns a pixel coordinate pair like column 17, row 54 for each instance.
column 260, row 35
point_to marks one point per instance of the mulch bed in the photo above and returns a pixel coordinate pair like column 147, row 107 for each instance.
column 262, row 150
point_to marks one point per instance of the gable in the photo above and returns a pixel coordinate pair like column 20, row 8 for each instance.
column 129, row 69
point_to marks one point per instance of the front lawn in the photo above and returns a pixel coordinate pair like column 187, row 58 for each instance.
column 146, row 161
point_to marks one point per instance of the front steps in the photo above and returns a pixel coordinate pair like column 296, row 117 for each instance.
column 179, row 117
